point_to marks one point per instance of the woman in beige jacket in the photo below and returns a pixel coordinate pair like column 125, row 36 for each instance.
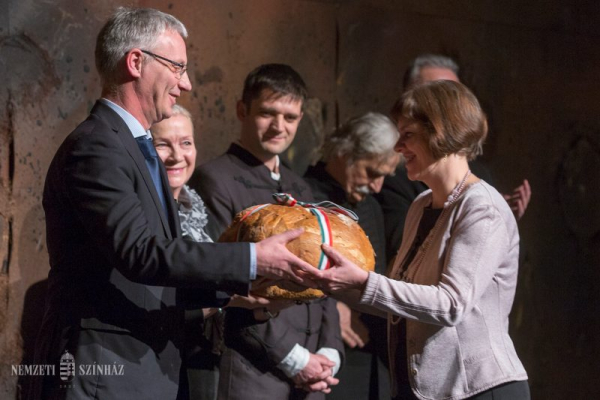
column 451, row 288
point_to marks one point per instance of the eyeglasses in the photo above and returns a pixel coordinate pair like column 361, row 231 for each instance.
column 174, row 66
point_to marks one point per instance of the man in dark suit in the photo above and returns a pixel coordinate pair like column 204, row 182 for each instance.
column 299, row 350
column 114, row 320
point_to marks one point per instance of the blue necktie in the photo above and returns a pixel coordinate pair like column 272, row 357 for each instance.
column 152, row 161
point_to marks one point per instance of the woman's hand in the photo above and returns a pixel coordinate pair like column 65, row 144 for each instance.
column 343, row 274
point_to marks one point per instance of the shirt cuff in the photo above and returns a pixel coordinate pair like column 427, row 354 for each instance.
column 333, row 355
column 295, row 361
column 252, row 261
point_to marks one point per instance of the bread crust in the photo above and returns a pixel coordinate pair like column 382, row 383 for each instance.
column 347, row 237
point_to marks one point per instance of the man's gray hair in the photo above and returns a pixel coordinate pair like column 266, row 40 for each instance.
column 127, row 29
column 367, row 136
column 411, row 76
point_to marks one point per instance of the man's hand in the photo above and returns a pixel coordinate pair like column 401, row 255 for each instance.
column 321, row 386
column 276, row 262
column 354, row 332
column 317, row 375
column 519, row 199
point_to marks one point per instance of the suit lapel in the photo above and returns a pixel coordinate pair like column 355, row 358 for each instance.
column 171, row 204
column 121, row 129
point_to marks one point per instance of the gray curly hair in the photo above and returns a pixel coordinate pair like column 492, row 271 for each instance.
column 366, row 136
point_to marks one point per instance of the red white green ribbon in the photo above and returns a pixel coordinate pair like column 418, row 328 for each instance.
column 318, row 210
column 286, row 199
column 326, row 236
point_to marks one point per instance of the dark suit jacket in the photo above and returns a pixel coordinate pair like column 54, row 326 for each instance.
column 115, row 260
column 228, row 184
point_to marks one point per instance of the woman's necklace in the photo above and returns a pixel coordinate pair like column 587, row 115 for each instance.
column 454, row 195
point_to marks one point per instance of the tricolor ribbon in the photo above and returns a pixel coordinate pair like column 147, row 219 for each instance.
column 286, row 199
column 319, row 211
column 326, row 236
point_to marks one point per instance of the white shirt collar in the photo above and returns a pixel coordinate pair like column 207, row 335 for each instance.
column 276, row 175
column 132, row 123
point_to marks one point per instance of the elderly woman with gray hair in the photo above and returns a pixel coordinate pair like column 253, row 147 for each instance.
column 356, row 158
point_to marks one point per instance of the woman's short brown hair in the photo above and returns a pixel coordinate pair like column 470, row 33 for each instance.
column 451, row 115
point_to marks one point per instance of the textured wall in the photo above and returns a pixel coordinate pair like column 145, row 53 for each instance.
column 230, row 38
column 534, row 66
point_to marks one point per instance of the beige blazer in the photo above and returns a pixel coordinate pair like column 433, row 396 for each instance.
column 457, row 301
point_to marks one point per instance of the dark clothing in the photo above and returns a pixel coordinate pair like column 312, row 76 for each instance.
column 203, row 337
column 396, row 196
column 237, row 180
column 115, row 261
column 229, row 184
column 370, row 217
column 516, row 390
column 365, row 374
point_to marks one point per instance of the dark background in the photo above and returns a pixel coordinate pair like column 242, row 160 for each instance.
column 534, row 65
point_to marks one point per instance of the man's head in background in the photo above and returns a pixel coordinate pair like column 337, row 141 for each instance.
column 360, row 153
column 430, row 67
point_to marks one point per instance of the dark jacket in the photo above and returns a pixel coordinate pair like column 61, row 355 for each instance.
column 368, row 378
column 116, row 260
column 229, row 184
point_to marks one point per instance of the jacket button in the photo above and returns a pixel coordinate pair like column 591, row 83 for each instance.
column 414, row 371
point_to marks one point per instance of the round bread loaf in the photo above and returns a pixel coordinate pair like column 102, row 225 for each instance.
column 255, row 224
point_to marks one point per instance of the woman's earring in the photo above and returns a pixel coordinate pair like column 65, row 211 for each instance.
column 445, row 157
